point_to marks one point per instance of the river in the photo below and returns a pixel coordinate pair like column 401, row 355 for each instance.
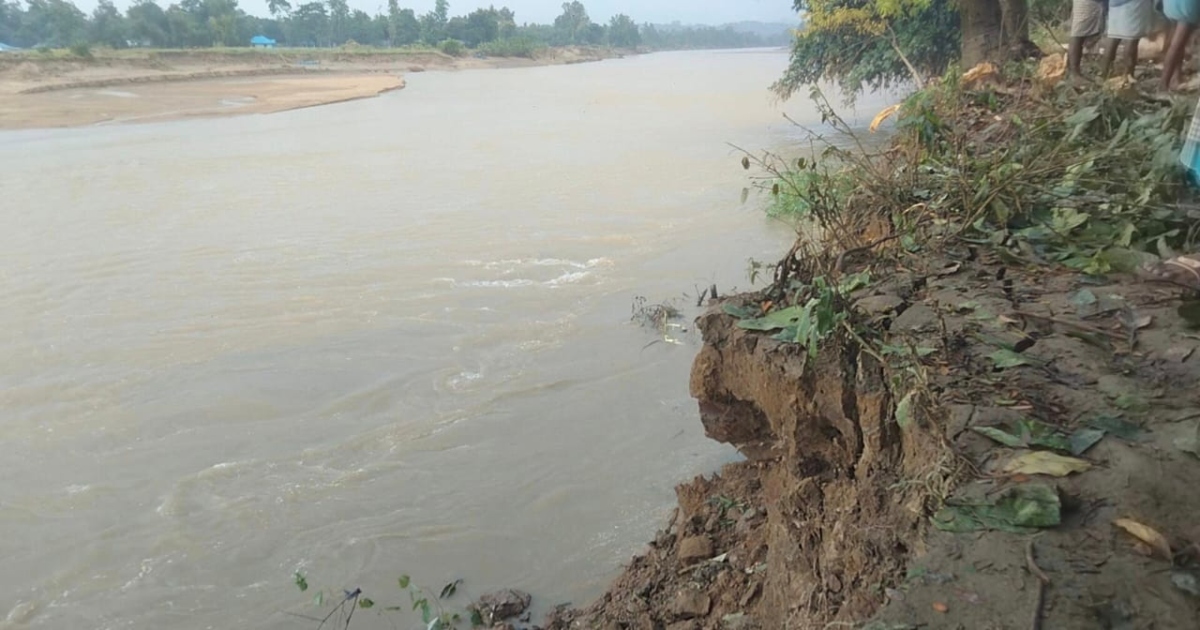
column 376, row 338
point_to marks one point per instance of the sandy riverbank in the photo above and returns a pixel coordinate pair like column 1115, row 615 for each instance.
column 39, row 90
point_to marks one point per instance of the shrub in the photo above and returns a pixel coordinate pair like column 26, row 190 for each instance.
column 510, row 47
column 452, row 47
column 81, row 50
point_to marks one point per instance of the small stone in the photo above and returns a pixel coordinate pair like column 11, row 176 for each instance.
column 915, row 318
column 683, row 625
column 735, row 621
column 690, row 603
column 694, row 549
column 876, row 305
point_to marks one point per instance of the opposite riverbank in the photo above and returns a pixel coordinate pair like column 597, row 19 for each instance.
column 40, row 90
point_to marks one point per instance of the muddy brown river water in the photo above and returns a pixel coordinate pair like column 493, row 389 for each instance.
column 381, row 337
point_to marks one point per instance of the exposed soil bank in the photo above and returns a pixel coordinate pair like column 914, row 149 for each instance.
column 828, row 523
column 39, row 90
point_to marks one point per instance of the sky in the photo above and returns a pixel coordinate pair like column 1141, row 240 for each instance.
column 544, row 11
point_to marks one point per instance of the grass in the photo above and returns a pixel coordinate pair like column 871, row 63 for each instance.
column 513, row 47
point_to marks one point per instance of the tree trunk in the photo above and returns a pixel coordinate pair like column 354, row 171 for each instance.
column 994, row 30
column 1015, row 21
column 1015, row 35
column 982, row 31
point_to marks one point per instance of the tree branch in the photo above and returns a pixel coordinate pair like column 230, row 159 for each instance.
column 920, row 81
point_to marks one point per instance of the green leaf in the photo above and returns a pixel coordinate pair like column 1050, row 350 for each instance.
column 434, row 624
column 1005, row 358
column 738, row 311
column 787, row 334
column 1115, row 425
column 854, row 282
column 476, row 618
column 1027, row 434
column 300, row 581
column 1066, row 220
column 999, row 436
column 1130, row 402
column 319, row 599
column 1017, row 510
column 1084, row 439
column 1080, row 120
column 904, row 411
column 404, row 581
column 1083, row 297
column 773, row 320
column 366, row 602
column 450, row 589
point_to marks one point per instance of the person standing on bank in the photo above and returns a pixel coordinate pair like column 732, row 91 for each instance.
column 1088, row 20
column 1186, row 15
column 1128, row 22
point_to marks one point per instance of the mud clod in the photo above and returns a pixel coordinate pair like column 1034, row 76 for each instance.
column 690, row 603
column 694, row 549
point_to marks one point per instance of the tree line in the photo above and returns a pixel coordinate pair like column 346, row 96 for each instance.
column 324, row 23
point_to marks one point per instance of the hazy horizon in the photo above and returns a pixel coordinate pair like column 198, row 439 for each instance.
column 711, row 12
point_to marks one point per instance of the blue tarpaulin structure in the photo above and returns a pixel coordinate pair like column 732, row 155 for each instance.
column 262, row 41
column 5, row 47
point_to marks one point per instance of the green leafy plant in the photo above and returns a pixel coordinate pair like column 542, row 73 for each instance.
column 433, row 613
column 452, row 47
column 819, row 309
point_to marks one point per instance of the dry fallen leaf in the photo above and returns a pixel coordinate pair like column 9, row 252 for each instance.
column 1045, row 463
column 1148, row 535
column 940, row 607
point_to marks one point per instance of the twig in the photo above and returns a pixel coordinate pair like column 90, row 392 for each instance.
column 1043, row 582
column 1076, row 325
column 837, row 265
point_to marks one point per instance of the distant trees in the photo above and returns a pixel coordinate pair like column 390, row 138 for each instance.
column 574, row 22
column 403, row 27
column 623, row 32
column 204, row 23
column 433, row 24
